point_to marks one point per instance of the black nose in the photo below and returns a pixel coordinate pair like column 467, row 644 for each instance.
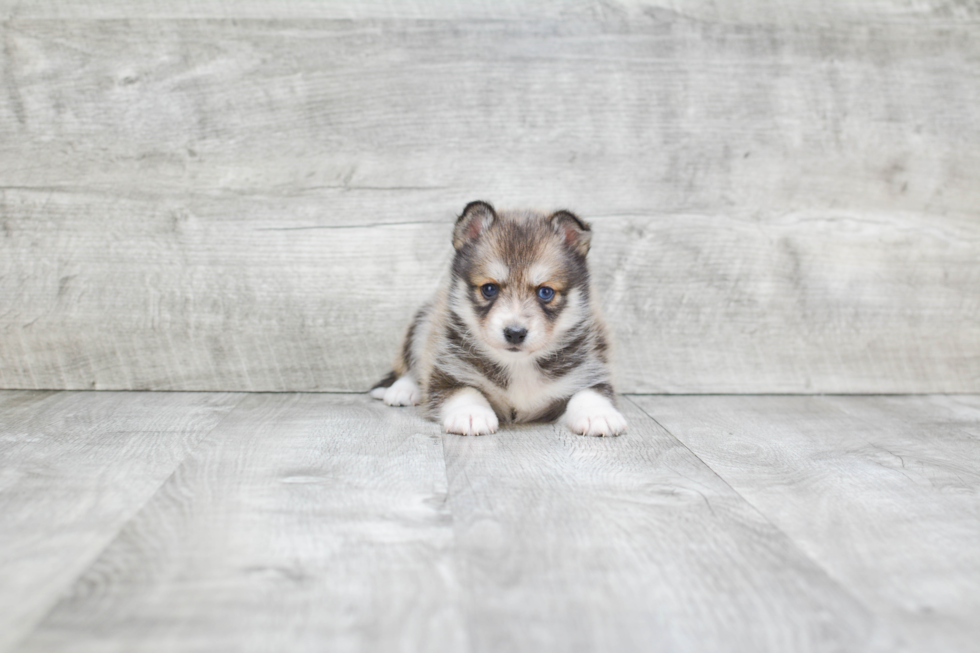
column 515, row 336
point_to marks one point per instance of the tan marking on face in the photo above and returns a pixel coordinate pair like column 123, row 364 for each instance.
column 518, row 263
column 555, row 284
column 547, row 271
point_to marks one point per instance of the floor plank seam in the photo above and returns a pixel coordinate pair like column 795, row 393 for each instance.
column 832, row 577
column 69, row 584
column 457, row 561
column 833, row 522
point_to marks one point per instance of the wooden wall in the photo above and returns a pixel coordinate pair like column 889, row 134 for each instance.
column 256, row 195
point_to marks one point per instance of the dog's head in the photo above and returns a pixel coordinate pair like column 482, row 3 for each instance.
column 520, row 278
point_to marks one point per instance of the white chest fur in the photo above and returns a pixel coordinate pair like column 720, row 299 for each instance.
column 529, row 392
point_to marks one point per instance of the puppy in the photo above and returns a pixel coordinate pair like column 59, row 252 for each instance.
column 514, row 335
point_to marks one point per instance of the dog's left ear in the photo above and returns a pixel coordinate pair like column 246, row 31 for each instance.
column 574, row 230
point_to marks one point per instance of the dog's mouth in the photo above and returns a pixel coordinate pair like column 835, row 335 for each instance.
column 519, row 351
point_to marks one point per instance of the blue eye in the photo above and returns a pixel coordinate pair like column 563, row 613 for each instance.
column 546, row 294
column 489, row 290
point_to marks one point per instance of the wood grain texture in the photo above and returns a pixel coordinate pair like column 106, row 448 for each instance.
column 783, row 194
column 327, row 522
column 884, row 493
column 189, row 297
column 74, row 467
column 303, row 523
column 569, row 543
column 770, row 12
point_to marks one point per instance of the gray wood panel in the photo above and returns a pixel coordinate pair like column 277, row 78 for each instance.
column 74, row 467
column 183, row 522
column 784, row 194
column 884, row 493
column 302, row 523
column 569, row 543
column 770, row 12
column 183, row 295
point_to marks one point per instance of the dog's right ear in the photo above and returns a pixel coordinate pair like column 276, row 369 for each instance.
column 477, row 217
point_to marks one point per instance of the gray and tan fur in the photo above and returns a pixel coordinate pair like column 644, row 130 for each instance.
column 514, row 335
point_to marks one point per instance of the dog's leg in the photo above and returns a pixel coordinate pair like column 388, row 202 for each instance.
column 403, row 392
column 467, row 412
column 590, row 413
column 378, row 391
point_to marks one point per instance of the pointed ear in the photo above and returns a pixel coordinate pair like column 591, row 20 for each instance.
column 574, row 231
column 477, row 217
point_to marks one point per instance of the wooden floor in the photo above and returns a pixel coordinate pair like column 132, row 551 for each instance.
column 301, row 522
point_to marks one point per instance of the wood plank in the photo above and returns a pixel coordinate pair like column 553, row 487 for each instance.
column 809, row 302
column 19, row 406
column 778, row 12
column 207, row 294
column 784, row 200
column 251, row 295
column 882, row 492
column 569, row 543
column 74, row 467
column 658, row 113
column 967, row 400
column 304, row 522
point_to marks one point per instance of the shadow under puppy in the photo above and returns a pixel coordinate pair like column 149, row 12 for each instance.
column 514, row 336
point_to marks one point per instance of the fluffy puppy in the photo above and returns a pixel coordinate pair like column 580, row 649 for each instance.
column 514, row 335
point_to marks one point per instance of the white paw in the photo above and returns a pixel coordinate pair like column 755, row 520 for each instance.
column 403, row 392
column 589, row 413
column 378, row 393
column 468, row 413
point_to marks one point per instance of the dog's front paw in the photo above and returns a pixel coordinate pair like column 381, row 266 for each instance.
column 477, row 421
column 469, row 413
column 403, row 392
column 589, row 413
